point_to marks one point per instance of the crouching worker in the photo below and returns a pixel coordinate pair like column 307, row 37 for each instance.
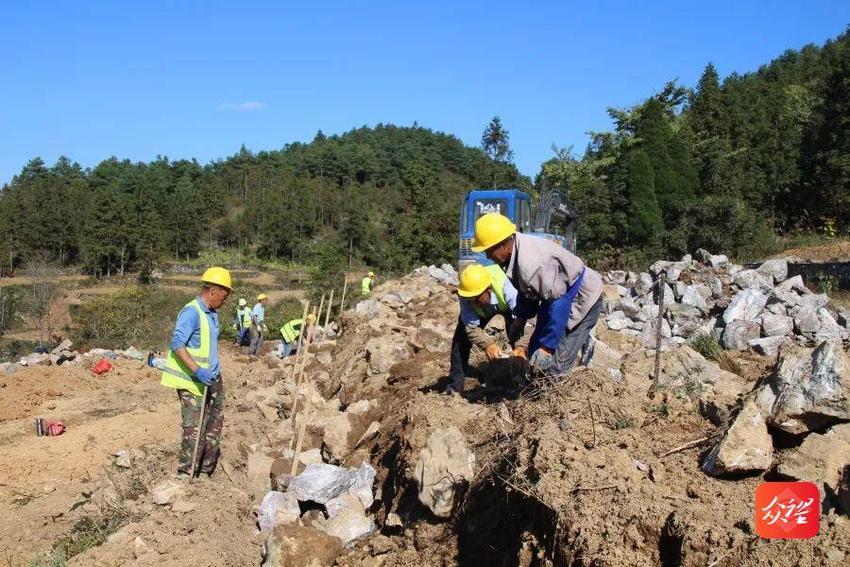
column 291, row 331
column 552, row 283
column 193, row 369
column 484, row 292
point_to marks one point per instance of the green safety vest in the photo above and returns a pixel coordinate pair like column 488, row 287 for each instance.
column 175, row 374
column 366, row 285
column 497, row 284
column 289, row 331
column 244, row 314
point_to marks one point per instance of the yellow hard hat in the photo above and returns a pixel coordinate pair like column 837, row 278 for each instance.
column 474, row 279
column 491, row 229
column 217, row 276
column 371, row 274
column 242, row 302
column 311, row 319
column 261, row 297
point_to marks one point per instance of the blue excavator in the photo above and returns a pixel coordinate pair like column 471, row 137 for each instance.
column 553, row 217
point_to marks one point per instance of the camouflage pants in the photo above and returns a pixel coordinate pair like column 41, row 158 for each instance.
column 190, row 415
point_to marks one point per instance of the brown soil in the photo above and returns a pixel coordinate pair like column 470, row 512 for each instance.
column 838, row 251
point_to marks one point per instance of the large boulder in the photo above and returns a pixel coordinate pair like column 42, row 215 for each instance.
column 319, row 483
column 808, row 390
column 385, row 351
column 695, row 295
column 347, row 519
column 776, row 325
column 820, row 458
column 769, row 346
column 290, row 546
column 277, row 509
column 745, row 306
column 829, row 327
column 807, row 321
column 746, row 447
column 445, row 467
column 751, row 279
column 738, row 334
column 777, row 270
column 344, row 429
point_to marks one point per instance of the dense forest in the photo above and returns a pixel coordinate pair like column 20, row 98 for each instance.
column 386, row 196
column 727, row 165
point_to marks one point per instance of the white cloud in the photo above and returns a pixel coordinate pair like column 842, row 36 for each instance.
column 247, row 106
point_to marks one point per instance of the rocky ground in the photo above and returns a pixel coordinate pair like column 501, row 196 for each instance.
column 607, row 467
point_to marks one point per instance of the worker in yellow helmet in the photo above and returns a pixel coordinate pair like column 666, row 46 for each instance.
column 554, row 285
column 193, row 369
column 242, row 323
column 484, row 292
column 294, row 333
column 258, row 324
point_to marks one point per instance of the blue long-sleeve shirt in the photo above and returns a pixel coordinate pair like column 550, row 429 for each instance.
column 187, row 332
column 553, row 316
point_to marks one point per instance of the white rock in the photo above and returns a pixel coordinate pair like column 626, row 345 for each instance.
column 750, row 279
column 445, row 465
column 617, row 321
column 813, row 300
column 348, row 521
column 745, row 306
column 123, row 459
column 716, row 287
column 776, row 325
column 718, row 260
column 362, row 479
column 777, row 270
column 746, row 447
column 795, row 283
column 319, row 483
column 738, row 334
column 829, row 327
column 644, row 283
column 166, row 491
column 769, row 346
column 277, row 509
column 806, row 321
column 695, row 297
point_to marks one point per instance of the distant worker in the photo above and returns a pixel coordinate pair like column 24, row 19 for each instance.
column 366, row 284
column 193, row 369
column 291, row 331
column 553, row 284
column 484, row 292
column 243, row 323
column 258, row 325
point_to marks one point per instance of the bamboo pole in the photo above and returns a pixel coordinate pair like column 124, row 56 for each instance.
column 307, row 414
column 327, row 318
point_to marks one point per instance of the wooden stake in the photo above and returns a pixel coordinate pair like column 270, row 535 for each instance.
column 658, row 339
column 342, row 303
column 306, row 415
column 300, row 335
column 310, row 334
column 327, row 318
column 321, row 306
column 198, row 435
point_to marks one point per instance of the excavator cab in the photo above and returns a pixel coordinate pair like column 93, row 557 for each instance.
column 545, row 222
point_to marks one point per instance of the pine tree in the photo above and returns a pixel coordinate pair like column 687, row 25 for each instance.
column 644, row 220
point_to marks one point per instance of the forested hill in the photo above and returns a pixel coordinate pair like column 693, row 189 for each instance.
column 727, row 165
column 388, row 196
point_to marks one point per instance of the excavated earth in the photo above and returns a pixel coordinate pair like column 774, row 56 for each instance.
column 573, row 473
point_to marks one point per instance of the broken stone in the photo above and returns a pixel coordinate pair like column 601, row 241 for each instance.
column 617, row 321
column 362, row 479
column 745, row 306
column 311, row 456
column 776, row 325
column 769, row 346
column 347, row 519
column 139, row 547
column 288, row 546
column 820, row 458
column 718, row 260
column 319, row 483
column 628, row 306
column 806, row 321
column 813, row 300
column 795, row 283
column 268, row 412
column 166, row 491
column 738, row 334
column 64, row 345
column 746, row 447
column 715, row 286
column 644, row 283
column 829, row 327
column 777, row 270
column 809, row 391
column 751, row 279
column 445, row 466
column 384, row 352
column 695, row 296
column 123, row 459
column 370, row 308
column 259, row 473
column 277, row 509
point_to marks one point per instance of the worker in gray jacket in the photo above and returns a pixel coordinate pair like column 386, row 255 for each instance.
column 553, row 284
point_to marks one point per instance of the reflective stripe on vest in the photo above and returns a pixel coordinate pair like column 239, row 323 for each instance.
column 176, row 374
column 288, row 330
column 366, row 285
column 497, row 284
column 244, row 315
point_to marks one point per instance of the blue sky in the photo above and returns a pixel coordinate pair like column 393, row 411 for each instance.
column 198, row 79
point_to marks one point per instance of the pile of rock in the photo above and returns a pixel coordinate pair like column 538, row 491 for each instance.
column 341, row 495
column 760, row 309
column 808, row 392
column 62, row 354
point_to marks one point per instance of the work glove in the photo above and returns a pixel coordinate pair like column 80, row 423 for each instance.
column 493, row 352
column 541, row 361
column 520, row 352
column 204, row 376
column 265, row 329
